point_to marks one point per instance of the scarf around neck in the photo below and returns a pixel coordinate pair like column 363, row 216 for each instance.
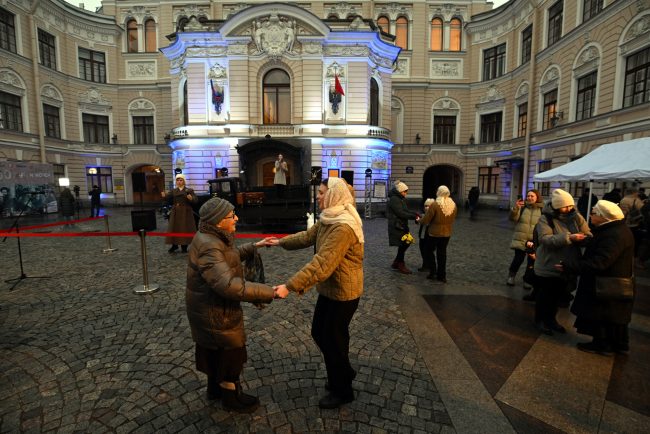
column 339, row 207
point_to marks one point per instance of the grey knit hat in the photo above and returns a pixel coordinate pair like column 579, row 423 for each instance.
column 214, row 210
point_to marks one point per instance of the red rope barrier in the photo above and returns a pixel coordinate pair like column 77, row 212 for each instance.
column 48, row 225
column 123, row 234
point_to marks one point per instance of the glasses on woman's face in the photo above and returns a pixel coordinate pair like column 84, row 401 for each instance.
column 232, row 216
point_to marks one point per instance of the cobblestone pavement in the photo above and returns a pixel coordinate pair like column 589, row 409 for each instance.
column 80, row 352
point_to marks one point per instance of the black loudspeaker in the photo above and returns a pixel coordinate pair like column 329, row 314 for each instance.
column 348, row 175
column 316, row 175
column 143, row 219
column 139, row 182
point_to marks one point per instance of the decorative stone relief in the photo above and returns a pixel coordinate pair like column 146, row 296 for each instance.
column 274, row 35
column 238, row 49
column 446, row 68
column 492, row 94
column 312, row 47
column 550, row 79
column 402, row 68
column 448, row 11
column 93, row 96
column 189, row 11
column 346, row 50
column 217, row 71
column 640, row 27
column 394, row 10
column 343, row 9
column 587, row 61
column 206, row 51
column 356, row 23
column 194, row 25
column 141, row 69
column 137, row 12
column 231, row 9
column 446, row 104
column 522, row 93
column 141, row 105
column 51, row 95
column 10, row 79
column 335, row 69
column 177, row 62
column 380, row 61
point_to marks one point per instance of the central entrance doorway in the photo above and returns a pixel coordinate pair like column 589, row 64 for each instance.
column 442, row 174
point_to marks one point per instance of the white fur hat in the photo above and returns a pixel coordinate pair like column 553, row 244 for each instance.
column 180, row 175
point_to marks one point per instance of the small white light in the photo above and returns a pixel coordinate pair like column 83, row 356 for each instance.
column 64, row 182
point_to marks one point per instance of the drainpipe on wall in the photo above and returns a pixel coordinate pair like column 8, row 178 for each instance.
column 531, row 79
column 37, row 81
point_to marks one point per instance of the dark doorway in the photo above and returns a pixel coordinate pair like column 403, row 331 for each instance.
column 443, row 174
column 148, row 182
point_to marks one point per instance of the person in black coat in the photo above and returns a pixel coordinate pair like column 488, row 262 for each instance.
column 398, row 226
column 583, row 202
column 95, row 204
column 472, row 200
column 609, row 254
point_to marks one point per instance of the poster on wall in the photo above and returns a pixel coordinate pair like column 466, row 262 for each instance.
column 26, row 187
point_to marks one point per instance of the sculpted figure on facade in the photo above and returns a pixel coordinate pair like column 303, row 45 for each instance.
column 274, row 36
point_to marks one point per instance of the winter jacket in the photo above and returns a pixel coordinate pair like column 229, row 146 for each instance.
column 66, row 203
column 181, row 216
column 440, row 225
column 627, row 203
column 398, row 216
column 554, row 244
column 337, row 267
column 610, row 253
column 215, row 288
column 526, row 218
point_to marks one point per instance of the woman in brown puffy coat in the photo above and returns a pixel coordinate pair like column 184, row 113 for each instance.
column 337, row 271
column 215, row 288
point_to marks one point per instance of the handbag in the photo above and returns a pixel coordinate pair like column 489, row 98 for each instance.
column 614, row 288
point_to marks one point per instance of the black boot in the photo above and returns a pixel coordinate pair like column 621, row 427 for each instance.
column 184, row 248
column 214, row 391
column 236, row 400
column 173, row 248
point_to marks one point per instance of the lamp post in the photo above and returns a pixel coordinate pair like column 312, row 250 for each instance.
column 367, row 211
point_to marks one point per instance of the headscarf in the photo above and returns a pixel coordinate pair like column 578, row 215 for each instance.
column 340, row 208
column 446, row 203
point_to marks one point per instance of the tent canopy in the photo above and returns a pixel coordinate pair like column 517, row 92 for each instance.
column 627, row 160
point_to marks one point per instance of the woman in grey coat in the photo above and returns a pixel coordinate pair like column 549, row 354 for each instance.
column 215, row 288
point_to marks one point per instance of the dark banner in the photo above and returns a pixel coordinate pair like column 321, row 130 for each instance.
column 27, row 187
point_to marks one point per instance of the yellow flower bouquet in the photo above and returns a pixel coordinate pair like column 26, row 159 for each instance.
column 408, row 238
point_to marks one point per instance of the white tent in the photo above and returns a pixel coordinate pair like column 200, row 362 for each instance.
column 627, row 160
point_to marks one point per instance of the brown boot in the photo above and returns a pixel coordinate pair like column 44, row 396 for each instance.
column 401, row 267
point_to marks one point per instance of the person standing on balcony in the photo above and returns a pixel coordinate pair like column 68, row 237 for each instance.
column 280, row 179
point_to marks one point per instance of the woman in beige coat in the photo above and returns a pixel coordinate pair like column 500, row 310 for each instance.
column 337, row 271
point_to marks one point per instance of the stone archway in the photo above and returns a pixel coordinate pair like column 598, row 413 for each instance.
column 143, row 184
column 443, row 174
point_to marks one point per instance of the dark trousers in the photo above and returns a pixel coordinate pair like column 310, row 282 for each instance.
column 425, row 251
column 550, row 290
column 93, row 207
column 224, row 364
column 401, row 251
column 438, row 264
column 518, row 259
column 330, row 330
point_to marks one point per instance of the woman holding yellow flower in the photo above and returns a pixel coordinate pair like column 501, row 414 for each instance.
column 440, row 217
column 398, row 226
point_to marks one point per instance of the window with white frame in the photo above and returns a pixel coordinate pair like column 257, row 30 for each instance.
column 555, row 16
column 47, row 49
column 491, row 127
column 455, row 34
column 549, row 109
column 436, row 35
column 52, row 121
column 92, row 65
column 95, row 128
column 494, row 61
column 277, row 97
column 444, row 130
column 150, row 44
column 11, row 115
column 402, row 32
column 586, row 96
column 143, row 130
column 637, row 78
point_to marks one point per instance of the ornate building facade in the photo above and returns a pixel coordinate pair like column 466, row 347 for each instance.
column 429, row 92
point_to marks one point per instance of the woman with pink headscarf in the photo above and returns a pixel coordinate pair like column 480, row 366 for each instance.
column 337, row 272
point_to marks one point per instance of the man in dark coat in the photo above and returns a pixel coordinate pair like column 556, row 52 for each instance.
column 398, row 216
column 181, row 217
column 609, row 254
column 583, row 202
column 95, row 204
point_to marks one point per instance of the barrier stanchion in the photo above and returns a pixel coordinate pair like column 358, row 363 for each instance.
column 108, row 249
column 146, row 288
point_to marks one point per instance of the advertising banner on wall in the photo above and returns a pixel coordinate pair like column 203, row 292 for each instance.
column 27, row 187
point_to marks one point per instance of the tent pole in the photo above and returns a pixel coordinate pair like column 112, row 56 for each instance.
column 591, row 188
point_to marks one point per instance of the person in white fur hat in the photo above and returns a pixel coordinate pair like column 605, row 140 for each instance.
column 610, row 254
column 560, row 231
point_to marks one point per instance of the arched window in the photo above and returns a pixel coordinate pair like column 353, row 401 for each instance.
column 150, row 36
column 436, row 34
column 132, row 36
column 277, row 97
column 374, row 102
column 383, row 24
column 182, row 23
column 402, row 33
column 455, row 35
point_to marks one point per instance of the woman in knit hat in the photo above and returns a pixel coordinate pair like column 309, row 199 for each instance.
column 336, row 270
column 610, row 254
column 440, row 219
column 181, row 216
column 559, row 232
column 215, row 288
column 399, row 215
